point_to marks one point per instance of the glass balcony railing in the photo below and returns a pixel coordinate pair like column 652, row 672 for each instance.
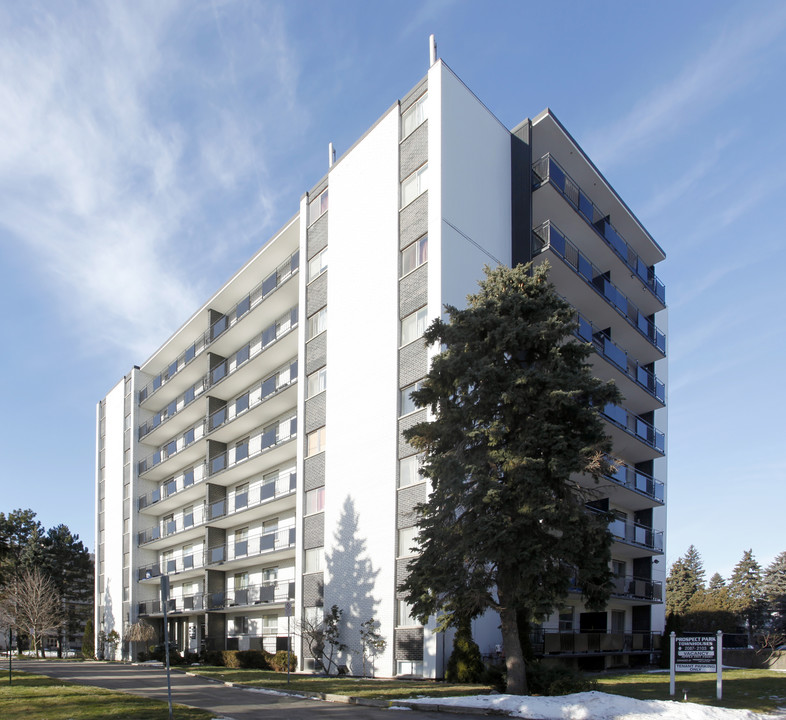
column 184, row 563
column 280, row 379
column 174, row 407
column 277, row 487
column 635, row 426
column 270, row 436
column 270, row 592
column 637, row 480
column 571, row 642
column 637, row 588
column 632, row 533
column 252, row 546
column 173, row 447
column 186, row 603
column 548, row 236
column 275, row 331
column 281, row 274
column 175, row 484
column 546, row 169
column 184, row 521
column 612, row 352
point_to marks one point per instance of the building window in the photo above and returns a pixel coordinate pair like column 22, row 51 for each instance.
column 408, row 667
column 316, row 382
column 414, row 116
column 317, row 265
column 566, row 619
column 314, row 560
column 407, row 541
column 404, row 616
column 414, row 185
column 241, row 404
column 315, row 500
column 618, row 568
column 414, row 255
column 317, row 323
column 241, row 450
column 413, row 326
column 270, row 624
column 409, row 470
column 241, row 496
column 316, row 442
column 240, row 625
column 407, row 404
column 318, row 207
column 618, row 621
column 270, row 574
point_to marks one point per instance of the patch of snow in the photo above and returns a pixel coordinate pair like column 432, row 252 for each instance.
column 266, row 691
column 595, row 706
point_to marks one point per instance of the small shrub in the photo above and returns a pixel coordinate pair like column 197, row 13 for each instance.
column 159, row 653
column 279, row 661
column 549, row 679
column 142, row 656
column 214, row 657
column 465, row 664
column 496, row 676
column 256, row 659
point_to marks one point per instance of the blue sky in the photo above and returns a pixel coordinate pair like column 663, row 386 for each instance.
column 147, row 149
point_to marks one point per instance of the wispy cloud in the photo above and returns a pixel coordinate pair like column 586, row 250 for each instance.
column 117, row 159
column 729, row 62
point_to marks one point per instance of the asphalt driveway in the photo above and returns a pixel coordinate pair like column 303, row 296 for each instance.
column 223, row 701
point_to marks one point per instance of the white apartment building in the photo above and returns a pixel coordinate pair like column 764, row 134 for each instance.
column 256, row 458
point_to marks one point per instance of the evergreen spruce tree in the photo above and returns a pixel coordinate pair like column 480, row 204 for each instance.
column 465, row 664
column 88, row 641
column 775, row 592
column 685, row 579
column 746, row 593
column 515, row 408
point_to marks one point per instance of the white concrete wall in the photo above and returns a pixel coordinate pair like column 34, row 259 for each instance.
column 362, row 394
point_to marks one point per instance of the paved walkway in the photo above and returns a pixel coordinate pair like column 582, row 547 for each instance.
column 224, row 701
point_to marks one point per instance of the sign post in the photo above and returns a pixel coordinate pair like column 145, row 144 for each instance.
column 288, row 609
column 164, row 603
column 700, row 652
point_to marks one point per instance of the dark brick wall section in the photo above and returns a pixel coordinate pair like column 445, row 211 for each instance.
column 317, row 236
column 413, row 220
column 313, row 590
column 409, row 644
column 316, row 294
column 316, row 353
column 412, row 363
column 314, row 472
column 401, row 575
column 407, row 499
column 315, row 412
column 413, row 151
column 314, row 531
column 413, row 291
column 404, row 448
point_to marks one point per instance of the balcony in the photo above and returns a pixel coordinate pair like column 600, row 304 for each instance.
column 637, row 481
column 186, row 564
column 626, row 425
column 548, row 237
column 270, row 592
column 269, row 493
column 604, row 346
column 639, row 536
column 176, row 406
column 176, row 366
column 182, row 524
column 243, row 553
column 177, row 485
column 548, row 642
column 189, row 603
column 173, row 447
column 547, row 170
column 635, row 588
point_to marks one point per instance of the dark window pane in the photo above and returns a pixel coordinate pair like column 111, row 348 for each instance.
column 243, row 307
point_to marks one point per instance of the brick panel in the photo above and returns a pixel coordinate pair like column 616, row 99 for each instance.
column 316, row 353
column 413, row 220
column 409, row 644
column 413, row 95
column 412, row 363
column 401, row 575
column 313, row 590
column 413, row 291
column 317, row 236
column 407, row 499
column 413, row 151
column 314, row 531
column 404, row 448
column 316, row 294
column 314, row 472
column 315, row 412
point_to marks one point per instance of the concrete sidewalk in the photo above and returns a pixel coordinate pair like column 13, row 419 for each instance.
column 222, row 700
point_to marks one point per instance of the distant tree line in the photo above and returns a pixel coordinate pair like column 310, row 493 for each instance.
column 752, row 600
column 46, row 582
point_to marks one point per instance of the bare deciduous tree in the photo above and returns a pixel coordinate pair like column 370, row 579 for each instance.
column 33, row 606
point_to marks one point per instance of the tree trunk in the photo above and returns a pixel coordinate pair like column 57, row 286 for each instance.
column 514, row 657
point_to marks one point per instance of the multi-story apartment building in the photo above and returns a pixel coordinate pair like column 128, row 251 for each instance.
column 256, row 458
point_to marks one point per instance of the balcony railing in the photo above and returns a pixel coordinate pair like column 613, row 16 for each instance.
column 259, row 293
column 185, row 563
column 174, row 605
column 635, row 534
column 271, row 592
column 185, row 521
column 637, row 588
column 612, row 352
column 252, row 546
column 178, row 483
column 548, row 236
column 174, row 407
column 635, row 426
column 275, row 331
column 171, row 448
column 547, row 642
column 255, row 496
column 279, row 380
column 546, row 169
column 280, row 275
column 637, row 480
column 272, row 435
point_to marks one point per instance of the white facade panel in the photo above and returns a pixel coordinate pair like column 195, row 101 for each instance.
column 362, row 394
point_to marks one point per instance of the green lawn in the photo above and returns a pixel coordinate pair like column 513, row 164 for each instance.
column 757, row 690
column 32, row 697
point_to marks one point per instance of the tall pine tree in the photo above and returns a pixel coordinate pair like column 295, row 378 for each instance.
column 515, row 408
column 746, row 593
column 775, row 592
column 685, row 579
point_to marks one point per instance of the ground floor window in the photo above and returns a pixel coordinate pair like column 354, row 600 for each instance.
column 408, row 667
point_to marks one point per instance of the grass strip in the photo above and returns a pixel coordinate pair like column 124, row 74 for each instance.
column 33, row 697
